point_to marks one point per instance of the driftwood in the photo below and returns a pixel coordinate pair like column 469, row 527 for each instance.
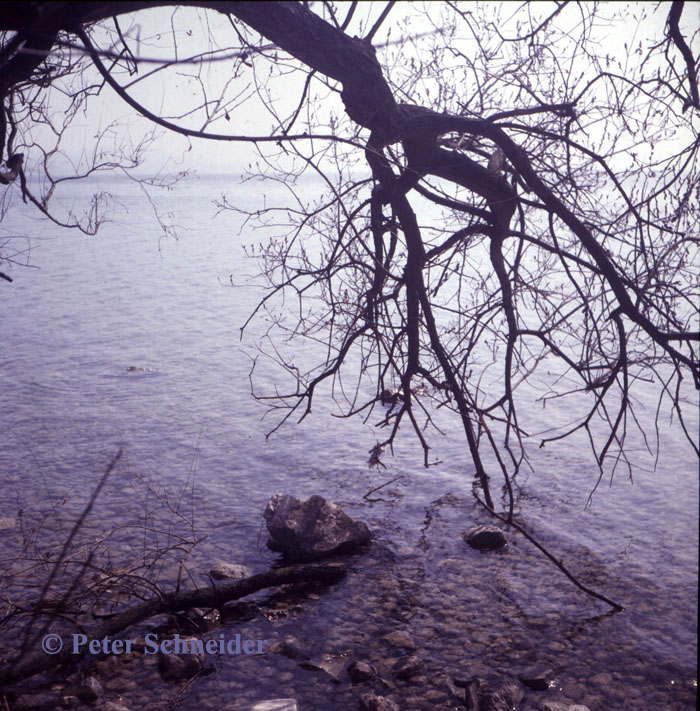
column 212, row 597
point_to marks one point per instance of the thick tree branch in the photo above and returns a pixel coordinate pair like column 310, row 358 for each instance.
column 674, row 17
column 213, row 597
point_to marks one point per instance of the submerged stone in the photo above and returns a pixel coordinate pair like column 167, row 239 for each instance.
column 504, row 697
column 203, row 620
column 331, row 664
column 89, row 691
column 361, row 671
column 178, row 666
column 370, row 702
column 288, row 647
column 408, row 667
column 485, row 538
column 538, row 678
column 399, row 638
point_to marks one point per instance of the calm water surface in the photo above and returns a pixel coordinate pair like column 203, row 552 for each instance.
column 129, row 340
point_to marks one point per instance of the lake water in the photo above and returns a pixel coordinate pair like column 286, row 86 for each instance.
column 128, row 340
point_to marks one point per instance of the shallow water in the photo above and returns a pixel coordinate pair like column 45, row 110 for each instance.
column 126, row 340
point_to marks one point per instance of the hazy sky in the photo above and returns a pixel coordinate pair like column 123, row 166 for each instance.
column 231, row 88
column 228, row 86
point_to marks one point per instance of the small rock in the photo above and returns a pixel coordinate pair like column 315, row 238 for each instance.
column 203, row 620
column 558, row 706
column 456, row 693
column 223, row 570
column 287, row 648
column 503, row 697
column 437, row 698
column 333, row 665
column 6, row 522
column 138, row 370
column 177, row 667
column 400, row 639
column 485, row 538
column 361, row 671
column 111, row 706
column 370, row 702
column 603, row 679
column 408, row 667
column 472, row 689
column 538, row 678
column 275, row 705
column 107, row 667
column 89, row 690
column 463, row 682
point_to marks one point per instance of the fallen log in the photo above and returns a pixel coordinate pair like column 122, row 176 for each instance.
column 211, row 597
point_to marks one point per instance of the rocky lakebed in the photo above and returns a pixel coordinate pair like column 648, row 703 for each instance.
column 445, row 621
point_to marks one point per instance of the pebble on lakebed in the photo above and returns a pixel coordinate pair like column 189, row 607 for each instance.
column 485, row 538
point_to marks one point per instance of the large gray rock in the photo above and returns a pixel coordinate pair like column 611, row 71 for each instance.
column 306, row 530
